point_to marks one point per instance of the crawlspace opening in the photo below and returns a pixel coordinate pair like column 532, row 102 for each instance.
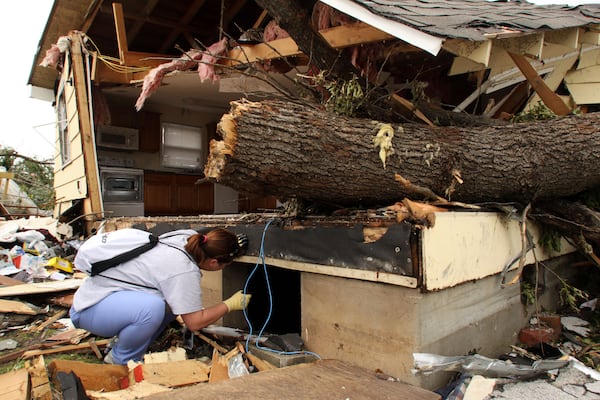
column 275, row 298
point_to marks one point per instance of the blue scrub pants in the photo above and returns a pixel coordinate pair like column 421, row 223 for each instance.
column 136, row 318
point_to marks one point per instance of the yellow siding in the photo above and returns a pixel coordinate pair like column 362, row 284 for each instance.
column 69, row 180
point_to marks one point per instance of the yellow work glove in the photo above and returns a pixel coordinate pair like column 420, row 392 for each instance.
column 238, row 301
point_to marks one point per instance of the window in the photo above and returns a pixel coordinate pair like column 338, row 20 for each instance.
column 182, row 146
column 63, row 129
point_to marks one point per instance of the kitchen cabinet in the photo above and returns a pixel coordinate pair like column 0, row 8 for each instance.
column 149, row 131
column 174, row 194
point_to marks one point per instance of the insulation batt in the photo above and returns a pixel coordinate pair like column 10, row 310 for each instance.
column 205, row 61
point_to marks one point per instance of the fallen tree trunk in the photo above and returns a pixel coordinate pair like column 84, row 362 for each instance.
column 290, row 150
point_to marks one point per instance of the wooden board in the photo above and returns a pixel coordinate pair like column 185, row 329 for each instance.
column 41, row 287
column 323, row 379
column 40, row 384
column 176, row 373
column 15, row 385
column 18, row 307
column 93, row 376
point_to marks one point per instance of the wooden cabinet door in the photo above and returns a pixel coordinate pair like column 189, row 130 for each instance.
column 158, row 194
column 192, row 198
column 149, row 131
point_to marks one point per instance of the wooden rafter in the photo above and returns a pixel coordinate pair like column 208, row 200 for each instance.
column 121, row 32
column 551, row 99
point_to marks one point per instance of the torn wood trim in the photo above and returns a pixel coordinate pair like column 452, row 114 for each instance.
column 551, row 99
column 372, row 276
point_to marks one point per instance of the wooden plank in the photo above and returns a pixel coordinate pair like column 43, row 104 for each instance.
column 18, row 307
column 50, row 320
column 15, row 385
column 8, row 281
column 411, row 108
column 219, row 371
column 93, row 376
column 176, row 373
column 323, row 379
column 121, row 32
column 40, row 384
column 64, row 349
column 374, row 276
column 40, row 287
column 551, row 99
column 85, row 125
column 555, row 78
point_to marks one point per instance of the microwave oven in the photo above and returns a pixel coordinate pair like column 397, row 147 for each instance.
column 117, row 137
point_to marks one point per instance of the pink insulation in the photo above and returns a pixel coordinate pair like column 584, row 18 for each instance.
column 206, row 67
column 153, row 80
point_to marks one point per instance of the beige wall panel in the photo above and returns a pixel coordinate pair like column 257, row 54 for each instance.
column 462, row 247
column 586, row 75
column 585, row 93
column 589, row 57
column 369, row 324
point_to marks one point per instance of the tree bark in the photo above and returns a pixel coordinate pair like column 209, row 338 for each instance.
column 290, row 150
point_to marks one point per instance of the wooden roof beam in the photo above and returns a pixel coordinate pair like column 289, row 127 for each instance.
column 551, row 99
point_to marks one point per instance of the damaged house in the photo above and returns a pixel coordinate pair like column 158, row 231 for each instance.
column 369, row 149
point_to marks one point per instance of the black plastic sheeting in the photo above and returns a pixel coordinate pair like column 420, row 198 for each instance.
column 338, row 246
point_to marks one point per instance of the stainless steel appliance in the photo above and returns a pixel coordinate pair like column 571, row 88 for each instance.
column 122, row 191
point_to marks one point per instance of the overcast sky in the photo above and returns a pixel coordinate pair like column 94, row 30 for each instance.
column 28, row 123
column 21, row 26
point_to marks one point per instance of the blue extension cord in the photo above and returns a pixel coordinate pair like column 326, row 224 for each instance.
column 258, row 262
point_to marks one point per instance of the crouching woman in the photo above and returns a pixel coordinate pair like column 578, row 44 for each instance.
column 137, row 299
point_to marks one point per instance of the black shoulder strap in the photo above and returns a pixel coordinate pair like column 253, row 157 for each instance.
column 101, row 266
